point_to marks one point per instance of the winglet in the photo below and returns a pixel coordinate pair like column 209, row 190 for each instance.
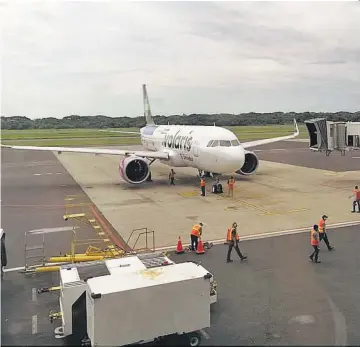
column 296, row 133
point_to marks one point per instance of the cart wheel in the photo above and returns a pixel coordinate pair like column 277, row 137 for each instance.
column 194, row 339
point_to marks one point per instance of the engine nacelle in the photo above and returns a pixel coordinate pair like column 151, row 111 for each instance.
column 250, row 165
column 134, row 170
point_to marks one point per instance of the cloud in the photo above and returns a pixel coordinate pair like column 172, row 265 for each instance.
column 88, row 58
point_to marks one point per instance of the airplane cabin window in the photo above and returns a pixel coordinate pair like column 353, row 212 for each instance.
column 235, row 142
column 210, row 143
column 215, row 143
column 224, row 143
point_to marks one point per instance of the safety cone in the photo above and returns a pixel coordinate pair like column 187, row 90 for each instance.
column 200, row 248
column 179, row 247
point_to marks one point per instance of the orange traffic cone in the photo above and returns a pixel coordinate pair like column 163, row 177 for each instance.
column 200, row 247
column 179, row 247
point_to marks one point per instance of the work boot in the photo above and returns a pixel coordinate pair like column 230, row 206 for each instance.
column 229, row 261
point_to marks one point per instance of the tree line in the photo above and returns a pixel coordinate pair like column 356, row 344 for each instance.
column 224, row 119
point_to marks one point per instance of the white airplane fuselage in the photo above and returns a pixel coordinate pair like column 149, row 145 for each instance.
column 191, row 146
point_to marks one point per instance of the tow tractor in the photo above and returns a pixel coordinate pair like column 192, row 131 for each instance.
column 138, row 299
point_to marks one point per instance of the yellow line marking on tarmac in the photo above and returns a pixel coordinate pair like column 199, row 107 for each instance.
column 189, row 194
column 284, row 212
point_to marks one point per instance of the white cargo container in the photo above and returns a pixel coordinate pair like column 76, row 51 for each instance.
column 141, row 306
column 133, row 276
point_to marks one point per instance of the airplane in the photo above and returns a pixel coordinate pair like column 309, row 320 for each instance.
column 211, row 150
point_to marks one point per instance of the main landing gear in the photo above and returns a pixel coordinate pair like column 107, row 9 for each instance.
column 203, row 173
column 149, row 177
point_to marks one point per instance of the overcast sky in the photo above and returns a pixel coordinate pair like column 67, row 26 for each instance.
column 61, row 58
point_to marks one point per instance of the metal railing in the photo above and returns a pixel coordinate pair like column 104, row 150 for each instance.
column 140, row 232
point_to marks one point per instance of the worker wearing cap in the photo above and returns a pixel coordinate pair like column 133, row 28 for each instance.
column 3, row 252
column 196, row 232
column 233, row 239
column 356, row 201
column 202, row 185
column 315, row 241
column 322, row 232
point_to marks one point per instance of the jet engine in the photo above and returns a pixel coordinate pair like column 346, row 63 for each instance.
column 250, row 165
column 134, row 170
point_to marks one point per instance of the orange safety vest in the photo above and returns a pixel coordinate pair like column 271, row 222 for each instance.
column 321, row 226
column 314, row 238
column 202, row 183
column 357, row 194
column 229, row 235
column 231, row 182
column 196, row 230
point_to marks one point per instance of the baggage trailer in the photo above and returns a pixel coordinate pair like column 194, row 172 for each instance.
column 135, row 300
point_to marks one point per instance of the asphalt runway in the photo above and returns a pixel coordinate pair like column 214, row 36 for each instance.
column 299, row 154
column 277, row 297
column 34, row 186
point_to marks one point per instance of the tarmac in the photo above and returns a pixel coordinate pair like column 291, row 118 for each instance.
column 35, row 188
column 278, row 297
column 279, row 197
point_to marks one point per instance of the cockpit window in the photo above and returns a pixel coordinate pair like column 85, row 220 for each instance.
column 224, row 143
column 215, row 143
column 210, row 143
column 235, row 142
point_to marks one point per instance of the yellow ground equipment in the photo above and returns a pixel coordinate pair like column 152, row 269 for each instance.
column 48, row 290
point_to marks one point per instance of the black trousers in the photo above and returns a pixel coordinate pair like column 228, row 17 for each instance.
column 203, row 190
column 315, row 253
column 324, row 237
column 237, row 249
column 172, row 181
column 354, row 205
column 194, row 242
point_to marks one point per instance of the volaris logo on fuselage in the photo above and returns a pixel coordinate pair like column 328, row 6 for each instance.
column 178, row 141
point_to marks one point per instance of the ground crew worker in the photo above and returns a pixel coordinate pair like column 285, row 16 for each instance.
column 356, row 195
column 3, row 252
column 322, row 232
column 233, row 239
column 231, row 183
column 196, row 232
column 172, row 176
column 202, row 186
column 314, row 240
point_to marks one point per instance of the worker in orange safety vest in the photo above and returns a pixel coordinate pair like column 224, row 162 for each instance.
column 202, row 186
column 322, row 232
column 232, row 239
column 314, row 240
column 356, row 201
column 196, row 232
column 231, row 183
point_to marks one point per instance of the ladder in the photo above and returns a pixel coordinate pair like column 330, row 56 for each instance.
column 35, row 256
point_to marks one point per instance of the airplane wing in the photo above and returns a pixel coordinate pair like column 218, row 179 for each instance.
column 122, row 132
column 274, row 139
column 108, row 151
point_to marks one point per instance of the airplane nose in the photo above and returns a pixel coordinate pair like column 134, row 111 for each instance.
column 234, row 158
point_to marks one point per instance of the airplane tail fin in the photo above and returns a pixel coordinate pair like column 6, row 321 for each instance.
column 147, row 110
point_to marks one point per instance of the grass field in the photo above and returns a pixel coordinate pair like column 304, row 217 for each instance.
column 94, row 137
